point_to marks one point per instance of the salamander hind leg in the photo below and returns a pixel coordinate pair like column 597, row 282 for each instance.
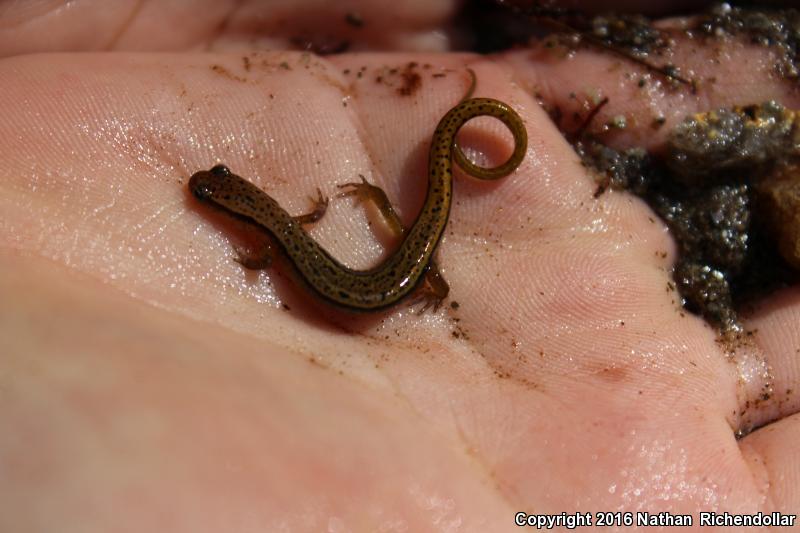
column 432, row 292
column 365, row 192
column 434, row 288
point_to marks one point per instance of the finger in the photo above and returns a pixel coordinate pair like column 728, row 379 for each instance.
column 727, row 70
column 180, row 25
column 774, row 321
column 657, row 8
column 772, row 455
column 58, row 25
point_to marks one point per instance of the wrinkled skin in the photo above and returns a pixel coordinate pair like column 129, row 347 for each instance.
column 149, row 383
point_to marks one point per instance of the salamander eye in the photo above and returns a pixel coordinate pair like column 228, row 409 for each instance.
column 220, row 170
column 201, row 185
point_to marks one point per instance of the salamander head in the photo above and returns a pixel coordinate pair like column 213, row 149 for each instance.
column 204, row 183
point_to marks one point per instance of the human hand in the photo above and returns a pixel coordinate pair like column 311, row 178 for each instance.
column 150, row 383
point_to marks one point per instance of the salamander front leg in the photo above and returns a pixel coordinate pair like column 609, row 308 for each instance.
column 320, row 207
column 259, row 255
column 256, row 257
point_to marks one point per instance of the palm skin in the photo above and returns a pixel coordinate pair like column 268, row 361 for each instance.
column 149, row 382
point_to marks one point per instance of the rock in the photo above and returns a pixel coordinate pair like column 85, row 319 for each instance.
column 778, row 205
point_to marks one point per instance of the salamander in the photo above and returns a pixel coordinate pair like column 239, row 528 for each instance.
column 396, row 277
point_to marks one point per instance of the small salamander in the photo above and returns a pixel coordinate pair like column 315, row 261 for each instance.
column 398, row 275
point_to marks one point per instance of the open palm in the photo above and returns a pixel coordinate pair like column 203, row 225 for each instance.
column 149, row 383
